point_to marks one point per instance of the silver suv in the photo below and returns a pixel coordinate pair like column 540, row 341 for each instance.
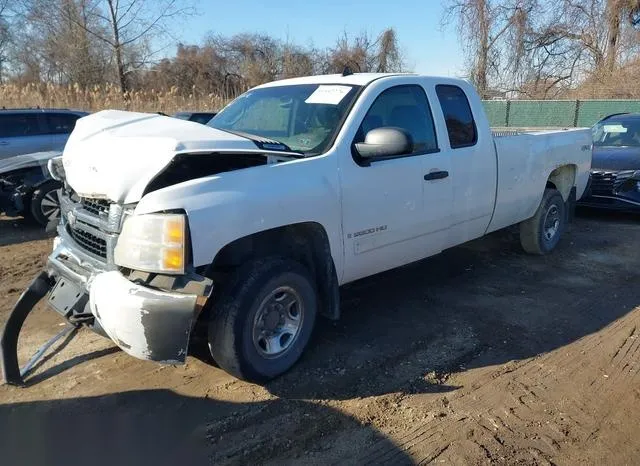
column 25, row 131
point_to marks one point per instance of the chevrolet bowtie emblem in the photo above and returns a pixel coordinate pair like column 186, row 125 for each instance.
column 71, row 219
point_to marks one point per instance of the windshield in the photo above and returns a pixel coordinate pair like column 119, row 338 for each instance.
column 304, row 117
column 618, row 133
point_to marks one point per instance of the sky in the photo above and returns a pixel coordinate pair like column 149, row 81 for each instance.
column 428, row 47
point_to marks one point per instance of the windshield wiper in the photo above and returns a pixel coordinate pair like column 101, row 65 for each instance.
column 266, row 143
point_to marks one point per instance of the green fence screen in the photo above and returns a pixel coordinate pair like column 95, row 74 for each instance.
column 554, row 113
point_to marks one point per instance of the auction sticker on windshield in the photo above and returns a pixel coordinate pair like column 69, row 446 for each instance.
column 331, row 95
column 614, row 129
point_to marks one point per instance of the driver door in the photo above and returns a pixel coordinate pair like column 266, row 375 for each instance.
column 394, row 211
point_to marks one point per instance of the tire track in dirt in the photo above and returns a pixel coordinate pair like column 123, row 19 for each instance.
column 539, row 413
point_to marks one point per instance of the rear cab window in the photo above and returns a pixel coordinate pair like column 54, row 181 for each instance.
column 405, row 107
column 461, row 126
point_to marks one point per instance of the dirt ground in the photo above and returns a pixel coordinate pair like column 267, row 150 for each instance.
column 481, row 355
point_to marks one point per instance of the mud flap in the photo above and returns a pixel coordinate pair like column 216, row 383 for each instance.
column 571, row 206
column 9, row 339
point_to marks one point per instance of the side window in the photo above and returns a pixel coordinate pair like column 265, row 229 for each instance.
column 60, row 123
column 19, row 125
column 457, row 114
column 404, row 107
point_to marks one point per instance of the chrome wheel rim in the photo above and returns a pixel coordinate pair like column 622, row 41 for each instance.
column 50, row 205
column 278, row 322
column 551, row 222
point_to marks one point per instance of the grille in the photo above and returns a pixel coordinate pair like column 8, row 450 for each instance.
column 603, row 183
column 606, row 183
column 95, row 206
column 89, row 242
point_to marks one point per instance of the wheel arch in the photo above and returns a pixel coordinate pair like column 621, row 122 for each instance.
column 307, row 243
column 563, row 179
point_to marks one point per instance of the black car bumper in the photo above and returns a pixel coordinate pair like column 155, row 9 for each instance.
column 611, row 203
column 612, row 190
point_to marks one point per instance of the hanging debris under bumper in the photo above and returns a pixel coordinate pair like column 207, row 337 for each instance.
column 37, row 290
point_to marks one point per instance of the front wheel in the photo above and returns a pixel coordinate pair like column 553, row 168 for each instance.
column 262, row 323
column 541, row 233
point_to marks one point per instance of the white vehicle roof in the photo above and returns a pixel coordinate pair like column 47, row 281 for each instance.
column 358, row 79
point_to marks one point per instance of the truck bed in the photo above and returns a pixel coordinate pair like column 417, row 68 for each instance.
column 524, row 160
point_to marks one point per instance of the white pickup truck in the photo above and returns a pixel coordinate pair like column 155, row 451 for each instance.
column 251, row 223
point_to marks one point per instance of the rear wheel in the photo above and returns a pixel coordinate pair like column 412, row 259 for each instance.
column 541, row 233
column 262, row 323
column 45, row 203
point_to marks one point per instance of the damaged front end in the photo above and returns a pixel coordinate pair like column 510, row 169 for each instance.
column 613, row 189
column 20, row 176
column 148, row 315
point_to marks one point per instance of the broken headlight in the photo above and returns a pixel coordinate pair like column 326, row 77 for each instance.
column 55, row 168
column 153, row 243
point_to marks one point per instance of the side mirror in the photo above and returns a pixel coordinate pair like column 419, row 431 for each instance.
column 384, row 142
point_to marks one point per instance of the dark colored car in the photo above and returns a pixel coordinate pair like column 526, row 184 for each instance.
column 615, row 168
column 27, row 189
column 31, row 130
column 198, row 117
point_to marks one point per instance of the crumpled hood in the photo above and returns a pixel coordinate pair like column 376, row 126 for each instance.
column 114, row 154
column 616, row 158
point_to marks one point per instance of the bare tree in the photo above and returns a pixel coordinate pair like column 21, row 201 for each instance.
column 361, row 53
column 388, row 57
column 484, row 27
column 585, row 40
column 226, row 66
column 545, row 48
column 617, row 13
column 296, row 61
column 132, row 23
column 5, row 34
column 127, row 27
column 53, row 43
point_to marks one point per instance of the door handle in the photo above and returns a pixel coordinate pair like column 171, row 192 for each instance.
column 436, row 175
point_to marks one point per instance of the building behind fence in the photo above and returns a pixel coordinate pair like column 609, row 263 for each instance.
column 554, row 113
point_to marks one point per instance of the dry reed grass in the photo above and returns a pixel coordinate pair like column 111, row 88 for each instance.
column 108, row 96
column 105, row 96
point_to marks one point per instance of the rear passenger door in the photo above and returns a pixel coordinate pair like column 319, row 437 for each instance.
column 59, row 127
column 472, row 155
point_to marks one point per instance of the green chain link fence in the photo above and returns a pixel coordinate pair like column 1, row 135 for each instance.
column 554, row 113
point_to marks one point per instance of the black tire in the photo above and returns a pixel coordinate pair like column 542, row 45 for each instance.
column 231, row 336
column 537, row 235
column 41, row 208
